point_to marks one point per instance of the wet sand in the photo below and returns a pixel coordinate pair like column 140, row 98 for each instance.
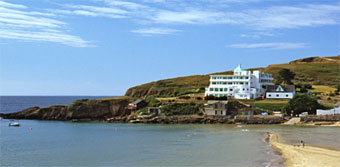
column 306, row 156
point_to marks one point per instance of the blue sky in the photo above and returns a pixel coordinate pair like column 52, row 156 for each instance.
column 103, row 47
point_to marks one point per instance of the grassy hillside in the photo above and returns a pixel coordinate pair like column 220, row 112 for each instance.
column 312, row 70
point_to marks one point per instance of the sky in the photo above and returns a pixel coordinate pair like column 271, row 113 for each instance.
column 104, row 47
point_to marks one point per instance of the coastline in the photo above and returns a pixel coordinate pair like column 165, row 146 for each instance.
column 305, row 156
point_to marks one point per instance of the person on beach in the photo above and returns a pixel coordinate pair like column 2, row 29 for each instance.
column 302, row 143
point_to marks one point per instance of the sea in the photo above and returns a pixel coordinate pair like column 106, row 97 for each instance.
column 59, row 143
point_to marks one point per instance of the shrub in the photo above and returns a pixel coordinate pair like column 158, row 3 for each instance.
column 308, row 86
column 184, row 97
column 199, row 98
column 303, row 90
column 302, row 103
column 317, row 82
column 209, row 97
column 181, row 109
column 298, row 85
column 152, row 101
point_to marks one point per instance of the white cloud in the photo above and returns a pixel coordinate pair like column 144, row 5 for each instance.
column 154, row 1
column 257, row 34
column 125, row 4
column 154, row 31
column 192, row 17
column 17, row 23
column 275, row 45
column 294, row 17
column 279, row 17
column 47, row 36
column 10, row 5
column 92, row 11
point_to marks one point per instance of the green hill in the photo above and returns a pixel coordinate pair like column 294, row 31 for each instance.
column 312, row 70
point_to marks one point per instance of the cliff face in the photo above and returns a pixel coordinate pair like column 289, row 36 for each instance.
column 80, row 109
column 312, row 70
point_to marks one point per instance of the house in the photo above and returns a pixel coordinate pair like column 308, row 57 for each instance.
column 138, row 104
column 280, row 91
column 214, row 107
column 242, row 84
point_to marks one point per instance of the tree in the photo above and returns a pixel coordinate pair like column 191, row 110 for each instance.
column 302, row 103
column 286, row 76
column 303, row 90
column 338, row 88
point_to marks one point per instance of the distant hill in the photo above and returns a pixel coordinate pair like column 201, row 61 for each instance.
column 312, row 70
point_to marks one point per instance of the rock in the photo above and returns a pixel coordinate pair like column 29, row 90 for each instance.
column 101, row 109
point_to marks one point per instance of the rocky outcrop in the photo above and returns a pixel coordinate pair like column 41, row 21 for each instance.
column 78, row 110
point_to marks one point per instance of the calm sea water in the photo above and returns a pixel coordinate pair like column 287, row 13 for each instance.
column 10, row 104
column 55, row 143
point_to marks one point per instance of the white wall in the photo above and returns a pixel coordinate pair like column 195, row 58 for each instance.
column 273, row 95
column 328, row 112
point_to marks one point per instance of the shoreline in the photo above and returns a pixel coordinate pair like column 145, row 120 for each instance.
column 308, row 156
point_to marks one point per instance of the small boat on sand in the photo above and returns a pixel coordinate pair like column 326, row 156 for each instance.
column 14, row 124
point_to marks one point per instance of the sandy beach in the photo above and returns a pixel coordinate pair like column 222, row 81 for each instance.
column 306, row 156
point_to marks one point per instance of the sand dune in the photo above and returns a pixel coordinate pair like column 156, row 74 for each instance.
column 307, row 156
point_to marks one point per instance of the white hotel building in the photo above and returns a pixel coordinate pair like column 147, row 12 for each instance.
column 242, row 85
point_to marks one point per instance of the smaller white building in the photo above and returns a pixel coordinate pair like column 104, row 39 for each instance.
column 280, row 92
column 328, row 112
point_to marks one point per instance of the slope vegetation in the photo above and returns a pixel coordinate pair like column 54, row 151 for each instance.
column 312, row 70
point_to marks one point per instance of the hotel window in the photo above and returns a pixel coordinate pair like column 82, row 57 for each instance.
column 241, row 83
column 286, row 95
column 230, row 77
column 243, row 89
column 230, row 83
column 224, row 83
column 231, row 89
column 224, row 77
column 216, row 89
column 214, row 83
column 226, row 89
column 247, row 77
column 221, row 89
column 246, row 83
column 213, row 77
column 277, row 95
column 247, row 88
column 211, row 89
column 270, row 95
column 241, row 77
